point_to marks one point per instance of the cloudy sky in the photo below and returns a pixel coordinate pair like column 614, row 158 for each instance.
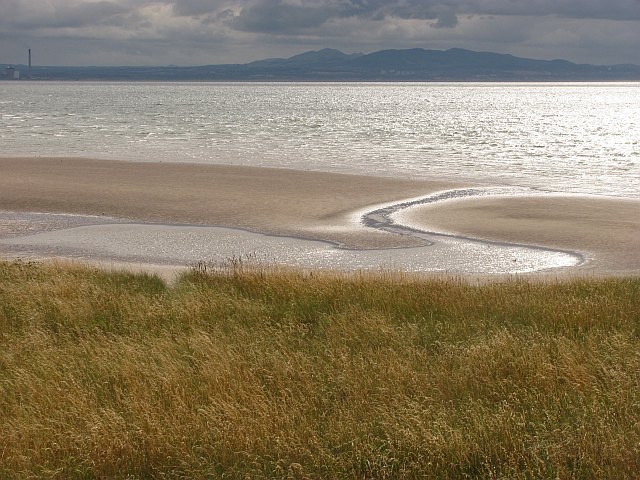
column 198, row 32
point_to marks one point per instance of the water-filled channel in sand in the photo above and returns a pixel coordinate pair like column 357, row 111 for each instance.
column 33, row 235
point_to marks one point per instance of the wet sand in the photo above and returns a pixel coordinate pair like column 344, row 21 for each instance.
column 313, row 205
column 605, row 230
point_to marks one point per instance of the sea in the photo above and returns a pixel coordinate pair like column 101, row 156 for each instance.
column 579, row 138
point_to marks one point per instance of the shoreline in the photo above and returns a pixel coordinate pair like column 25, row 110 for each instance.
column 258, row 199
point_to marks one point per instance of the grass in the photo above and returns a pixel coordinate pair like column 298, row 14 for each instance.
column 260, row 373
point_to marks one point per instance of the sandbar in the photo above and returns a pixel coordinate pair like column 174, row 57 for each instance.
column 318, row 206
column 605, row 230
column 313, row 205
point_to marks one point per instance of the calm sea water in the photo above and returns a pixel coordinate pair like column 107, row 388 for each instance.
column 582, row 138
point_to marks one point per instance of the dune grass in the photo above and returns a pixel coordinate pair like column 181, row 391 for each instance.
column 260, row 373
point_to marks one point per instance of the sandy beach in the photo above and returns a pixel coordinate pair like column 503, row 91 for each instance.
column 314, row 205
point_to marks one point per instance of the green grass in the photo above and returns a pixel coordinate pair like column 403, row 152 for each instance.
column 264, row 373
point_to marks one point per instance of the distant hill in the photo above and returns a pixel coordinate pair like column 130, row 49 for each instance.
column 415, row 64
column 324, row 58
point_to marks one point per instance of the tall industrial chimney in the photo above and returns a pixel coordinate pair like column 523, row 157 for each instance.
column 29, row 74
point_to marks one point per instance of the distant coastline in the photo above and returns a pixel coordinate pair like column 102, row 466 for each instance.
column 328, row 65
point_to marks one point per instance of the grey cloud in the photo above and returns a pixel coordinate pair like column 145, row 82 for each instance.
column 280, row 16
column 275, row 16
column 296, row 16
column 446, row 18
column 595, row 9
column 219, row 31
column 444, row 14
column 26, row 15
column 88, row 14
column 195, row 7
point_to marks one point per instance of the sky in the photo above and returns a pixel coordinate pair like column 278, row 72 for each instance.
column 201, row 32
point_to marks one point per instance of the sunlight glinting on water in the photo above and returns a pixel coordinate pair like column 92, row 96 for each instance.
column 183, row 245
column 580, row 138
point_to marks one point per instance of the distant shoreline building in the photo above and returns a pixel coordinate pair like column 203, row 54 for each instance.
column 10, row 73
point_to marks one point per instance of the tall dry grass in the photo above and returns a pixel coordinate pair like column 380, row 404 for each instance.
column 282, row 374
